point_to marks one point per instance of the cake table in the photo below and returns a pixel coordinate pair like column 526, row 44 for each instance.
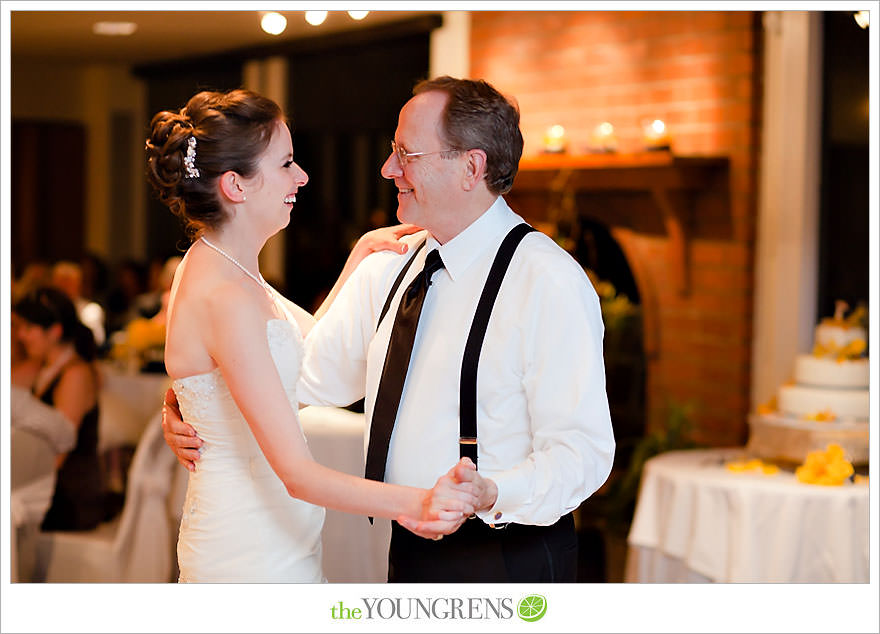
column 696, row 520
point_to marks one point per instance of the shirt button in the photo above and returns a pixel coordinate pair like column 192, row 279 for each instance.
column 498, row 515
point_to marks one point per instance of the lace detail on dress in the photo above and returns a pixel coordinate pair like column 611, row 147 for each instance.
column 198, row 391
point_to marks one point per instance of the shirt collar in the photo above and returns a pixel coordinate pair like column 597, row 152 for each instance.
column 481, row 236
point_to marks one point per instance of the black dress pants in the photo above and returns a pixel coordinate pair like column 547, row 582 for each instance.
column 477, row 553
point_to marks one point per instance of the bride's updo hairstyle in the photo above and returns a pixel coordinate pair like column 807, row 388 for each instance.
column 231, row 131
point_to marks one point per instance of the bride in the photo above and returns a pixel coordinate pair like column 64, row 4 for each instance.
column 234, row 346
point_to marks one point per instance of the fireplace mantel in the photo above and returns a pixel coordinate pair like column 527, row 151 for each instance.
column 671, row 181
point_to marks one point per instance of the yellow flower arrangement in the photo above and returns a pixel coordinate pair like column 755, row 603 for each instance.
column 769, row 407
column 825, row 416
column 140, row 337
column 741, row 466
column 826, row 468
column 145, row 333
column 852, row 350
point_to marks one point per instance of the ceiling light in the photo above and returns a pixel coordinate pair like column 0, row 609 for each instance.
column 273, row 23
column 861, row 18
column 114, row 28
column 316, row 17
column 358, row 15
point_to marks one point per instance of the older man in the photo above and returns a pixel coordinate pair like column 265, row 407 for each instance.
column 487, row 342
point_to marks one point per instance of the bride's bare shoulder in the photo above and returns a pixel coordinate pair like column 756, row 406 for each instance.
column 206, row 291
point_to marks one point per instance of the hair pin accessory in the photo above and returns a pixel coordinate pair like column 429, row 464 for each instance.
column 190, row 159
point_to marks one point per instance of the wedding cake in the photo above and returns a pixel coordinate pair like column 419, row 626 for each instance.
column 828, row 400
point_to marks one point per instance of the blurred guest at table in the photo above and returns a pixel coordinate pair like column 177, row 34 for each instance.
column 22, row 367
column 130, row 281
column 36, row 273
column 68, row 277
column 153, row 302
column 95, row 278
column 68, row 380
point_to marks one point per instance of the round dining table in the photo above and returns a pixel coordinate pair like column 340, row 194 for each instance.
column 696, row 520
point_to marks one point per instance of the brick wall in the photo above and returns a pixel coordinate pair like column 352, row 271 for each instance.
column 699, row 72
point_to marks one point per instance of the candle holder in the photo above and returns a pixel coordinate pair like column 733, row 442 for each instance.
column 655, row 135
column 603, row 139
column 555, row 140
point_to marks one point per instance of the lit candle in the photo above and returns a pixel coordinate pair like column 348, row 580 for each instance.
column 554, row 139
column 603, row 138
column 656, row 135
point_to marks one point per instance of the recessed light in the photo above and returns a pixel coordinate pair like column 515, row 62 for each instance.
column 114, row 28
column 358, row 15
column 273, row 23
column 862, row 18
column 316, row 17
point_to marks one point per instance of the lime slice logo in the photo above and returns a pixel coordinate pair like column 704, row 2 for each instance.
column 532, row 608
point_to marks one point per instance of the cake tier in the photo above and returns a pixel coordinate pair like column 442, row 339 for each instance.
column 818, row 371
column 800, row 401
column 835, row 336
column 773, row 437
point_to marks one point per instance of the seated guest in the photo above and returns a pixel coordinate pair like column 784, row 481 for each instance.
column 67, row 276
column 67, row 380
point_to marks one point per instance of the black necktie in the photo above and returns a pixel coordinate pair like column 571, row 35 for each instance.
column 403, row 334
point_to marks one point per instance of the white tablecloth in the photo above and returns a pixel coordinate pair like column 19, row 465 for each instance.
column 354, row 551
column 696, row 520
column 127, row 401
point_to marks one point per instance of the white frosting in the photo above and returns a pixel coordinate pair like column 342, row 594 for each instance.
column 802, row 400
column 816, row 371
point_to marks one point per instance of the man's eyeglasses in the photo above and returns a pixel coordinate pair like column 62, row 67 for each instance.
column 403, row 156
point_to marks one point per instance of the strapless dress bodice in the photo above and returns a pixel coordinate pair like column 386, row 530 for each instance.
column 239, row 524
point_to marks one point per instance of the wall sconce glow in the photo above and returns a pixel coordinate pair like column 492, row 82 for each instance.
column 358, row 15
column 862, row 18
column 316, row 17
column 273, row 23
column 114, row 28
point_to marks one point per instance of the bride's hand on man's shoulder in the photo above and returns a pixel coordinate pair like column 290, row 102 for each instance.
column 386, row 239
column 445, row 507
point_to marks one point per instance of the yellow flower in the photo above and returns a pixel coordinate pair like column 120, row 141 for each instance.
column 769, row 469
column 740, row 466
column 825, row 416
column 826, row 468
column 145, row 333
column 768, row 408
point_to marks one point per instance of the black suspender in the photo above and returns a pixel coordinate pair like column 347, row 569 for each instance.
column 467, row 441
column 467, row 421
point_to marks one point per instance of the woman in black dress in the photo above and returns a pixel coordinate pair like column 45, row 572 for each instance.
column 68, row 381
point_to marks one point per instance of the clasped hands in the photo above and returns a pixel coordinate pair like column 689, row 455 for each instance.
column 456, row 496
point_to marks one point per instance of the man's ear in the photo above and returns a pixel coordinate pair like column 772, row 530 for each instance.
column 232, row 187
column 475, row 169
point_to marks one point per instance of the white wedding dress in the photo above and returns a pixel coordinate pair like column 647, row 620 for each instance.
column 239, row 524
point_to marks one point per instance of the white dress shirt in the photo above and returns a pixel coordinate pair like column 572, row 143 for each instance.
column 544, row 428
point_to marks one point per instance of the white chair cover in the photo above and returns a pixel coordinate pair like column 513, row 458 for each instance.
column 38, row 433
column 138, row 545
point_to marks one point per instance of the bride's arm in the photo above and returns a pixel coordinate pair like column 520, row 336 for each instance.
column 247, row 366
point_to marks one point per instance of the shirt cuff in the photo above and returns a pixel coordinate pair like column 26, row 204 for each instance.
column 512, row 494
